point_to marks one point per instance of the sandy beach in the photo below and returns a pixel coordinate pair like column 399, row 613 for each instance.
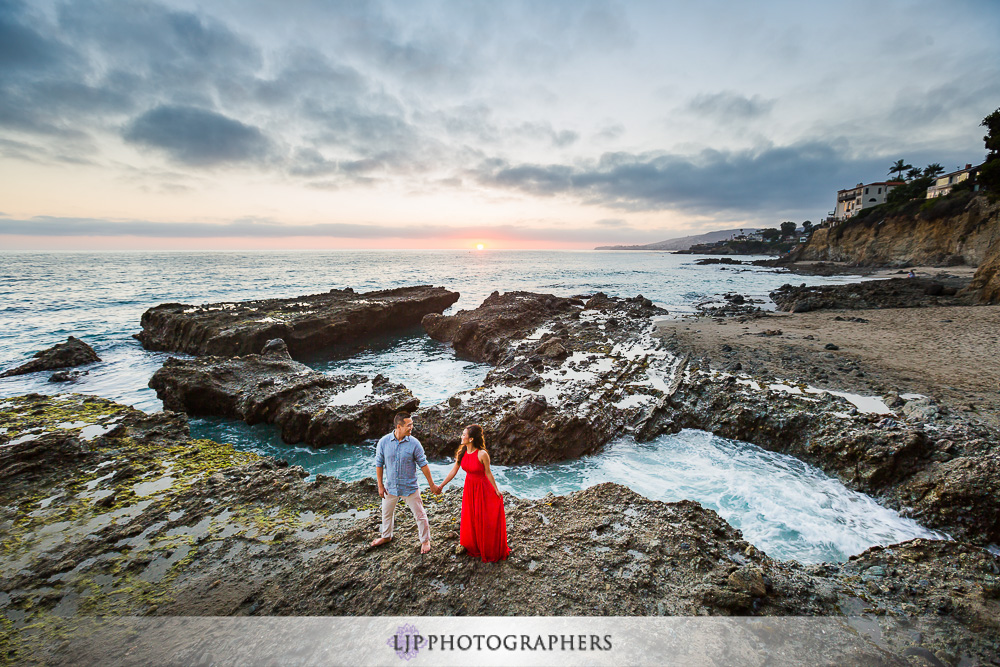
column 948, row 353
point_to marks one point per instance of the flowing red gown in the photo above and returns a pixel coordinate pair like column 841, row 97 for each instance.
column 483, row 529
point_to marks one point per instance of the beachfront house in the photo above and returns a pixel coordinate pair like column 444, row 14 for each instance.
column 943, row 184
column 862, row 196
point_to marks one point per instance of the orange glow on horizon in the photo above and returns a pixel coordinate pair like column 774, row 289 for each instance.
column 19, row 243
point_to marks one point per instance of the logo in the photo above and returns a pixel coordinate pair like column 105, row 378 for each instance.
column 404, row 642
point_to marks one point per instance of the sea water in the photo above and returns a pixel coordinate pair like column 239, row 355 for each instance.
column 785, row 507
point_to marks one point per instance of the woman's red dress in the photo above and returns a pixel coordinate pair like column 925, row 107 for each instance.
column 483, row 529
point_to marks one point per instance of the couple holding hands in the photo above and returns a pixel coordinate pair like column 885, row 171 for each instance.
column 483, row 526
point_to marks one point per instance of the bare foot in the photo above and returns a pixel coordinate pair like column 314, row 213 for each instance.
column 425, row 547
column 379, row 541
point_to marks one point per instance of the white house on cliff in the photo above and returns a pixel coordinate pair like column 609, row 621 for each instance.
column 862, row 196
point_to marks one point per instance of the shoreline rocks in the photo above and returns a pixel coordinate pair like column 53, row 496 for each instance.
column 306, row 323
column 74, row 352
column 946, row 478
column 135, row 519
column 307, row 405
column 569, row 375
column 891, row 293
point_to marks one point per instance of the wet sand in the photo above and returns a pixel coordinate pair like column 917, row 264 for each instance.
column 949, row 353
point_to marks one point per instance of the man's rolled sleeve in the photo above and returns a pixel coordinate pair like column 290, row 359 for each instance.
column 379, row 455
column 418, row 455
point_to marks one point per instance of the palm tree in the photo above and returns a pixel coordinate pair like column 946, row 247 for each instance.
column 913, row 173
column 900, row 167
column 933, row 169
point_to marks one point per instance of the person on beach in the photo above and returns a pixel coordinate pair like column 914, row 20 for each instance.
column 399, row 455
column 483, row 526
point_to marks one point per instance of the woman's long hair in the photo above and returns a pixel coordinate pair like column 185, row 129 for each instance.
column 477, row 437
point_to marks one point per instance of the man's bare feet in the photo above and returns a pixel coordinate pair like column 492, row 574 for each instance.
column 379, row 541
column 425, row 547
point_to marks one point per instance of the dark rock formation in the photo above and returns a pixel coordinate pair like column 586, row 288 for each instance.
column 74, row 352
column 309, row 406
column 569, row 376
column 305, row 323
column 67, row 376
column 197, row 529
column 891, row 293
column 948, row 479
column 483, row 334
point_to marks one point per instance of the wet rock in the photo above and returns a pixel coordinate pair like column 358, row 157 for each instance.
column 309, row 406
column 564, row 383
column 921, row 409
column 748, row 580
column 484, row 333
column 305, row 323
column 276, row 347
column 250, row 537
column 74, row 352
column 945, row 487
column 831, row 346
column 892, row 400
column 67, row 376
column 530, row 407
column 553, row 348
column 891, row 293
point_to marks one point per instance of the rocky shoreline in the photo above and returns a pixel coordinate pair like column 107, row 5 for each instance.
column 108, row 511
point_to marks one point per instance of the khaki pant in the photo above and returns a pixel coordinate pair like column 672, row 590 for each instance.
column 416, row 506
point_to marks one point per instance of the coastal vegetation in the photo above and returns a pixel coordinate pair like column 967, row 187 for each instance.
column 768, row 241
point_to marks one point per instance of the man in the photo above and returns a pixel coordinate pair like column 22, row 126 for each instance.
column 399, row 454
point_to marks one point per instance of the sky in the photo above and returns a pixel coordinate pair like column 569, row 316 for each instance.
column 245, row 124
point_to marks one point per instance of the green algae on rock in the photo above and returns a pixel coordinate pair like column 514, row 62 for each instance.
column 140, row 520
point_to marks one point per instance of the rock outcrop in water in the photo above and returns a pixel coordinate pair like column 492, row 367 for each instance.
column 484, row 334
column 569, row 375
column 307, row 405
column 74, row 352
column 126, row 516
column 305, row 323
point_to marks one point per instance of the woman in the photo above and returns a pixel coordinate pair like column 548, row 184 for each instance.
column 483, row 529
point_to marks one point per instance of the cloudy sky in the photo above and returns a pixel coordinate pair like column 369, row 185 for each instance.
column 322, row 124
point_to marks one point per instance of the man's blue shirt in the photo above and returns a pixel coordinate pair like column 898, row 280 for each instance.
column 399, row 460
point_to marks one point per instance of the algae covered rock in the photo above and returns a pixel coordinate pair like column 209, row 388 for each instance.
column 140, row 521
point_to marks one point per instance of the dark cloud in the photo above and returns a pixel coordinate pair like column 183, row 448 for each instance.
column 198, row 137
column 45, row 226
column 729, row 106
column 166, row 47
column 22, row 47
column 774, row 179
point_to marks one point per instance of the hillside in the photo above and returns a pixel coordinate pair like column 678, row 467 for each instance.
column 950, row 231
column 684, row 242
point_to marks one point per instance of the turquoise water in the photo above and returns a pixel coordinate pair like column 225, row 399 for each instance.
column 785, row 507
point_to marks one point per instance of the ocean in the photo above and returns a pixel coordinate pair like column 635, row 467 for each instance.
column 785, row 507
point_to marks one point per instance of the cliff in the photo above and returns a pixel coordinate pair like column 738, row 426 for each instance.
column 950, row 231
